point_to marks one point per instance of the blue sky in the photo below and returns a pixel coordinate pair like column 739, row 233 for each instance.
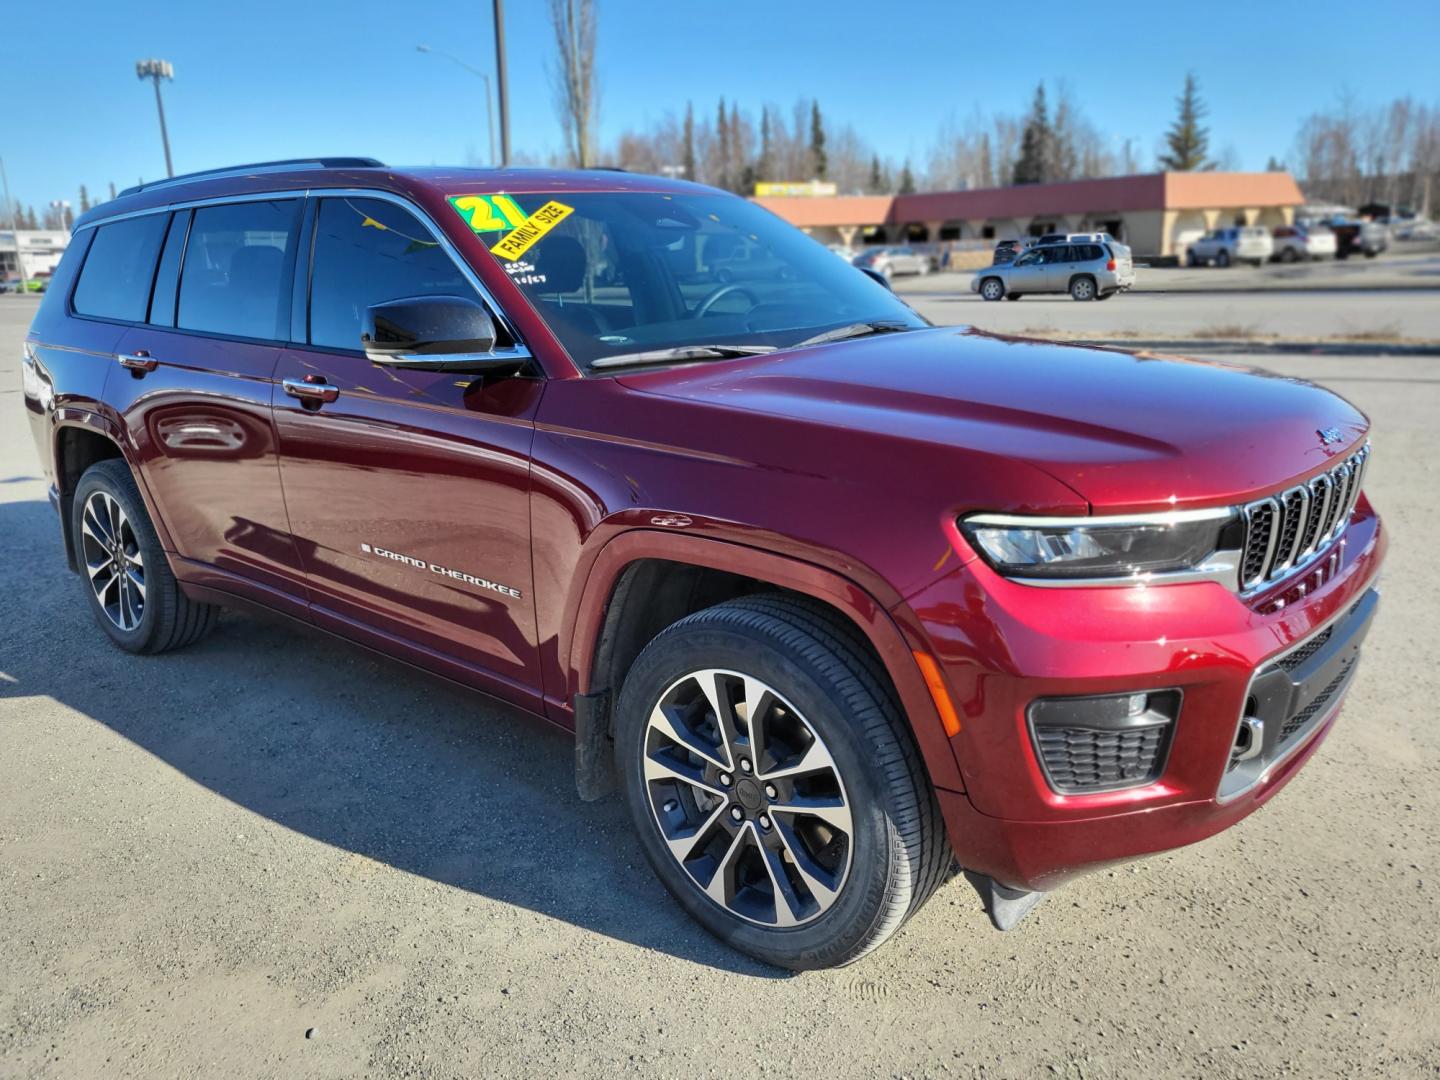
column 266, row 79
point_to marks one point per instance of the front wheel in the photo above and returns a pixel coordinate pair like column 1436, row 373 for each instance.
column 992, row 289
column 132, row 593
column 1222, row 260
column 776, row 788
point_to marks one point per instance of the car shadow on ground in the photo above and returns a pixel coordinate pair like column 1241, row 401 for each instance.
column 348, row 748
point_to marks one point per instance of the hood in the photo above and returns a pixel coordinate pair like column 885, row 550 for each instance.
column 1127, row 431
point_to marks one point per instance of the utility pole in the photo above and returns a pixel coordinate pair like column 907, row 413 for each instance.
column 483, row 77
column 14, row 231
column 500, row 82
column 156, row 70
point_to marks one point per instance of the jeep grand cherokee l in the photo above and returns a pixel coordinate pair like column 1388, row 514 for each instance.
column 837, row 597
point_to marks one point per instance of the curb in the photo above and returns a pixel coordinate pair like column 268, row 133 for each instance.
column 1243, row 345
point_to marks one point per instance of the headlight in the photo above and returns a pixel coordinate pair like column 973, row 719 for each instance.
column 1200, row 542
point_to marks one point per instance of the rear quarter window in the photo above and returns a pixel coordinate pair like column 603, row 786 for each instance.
column 115, row 280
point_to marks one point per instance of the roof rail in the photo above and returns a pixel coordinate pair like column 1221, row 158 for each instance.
column 234, row 170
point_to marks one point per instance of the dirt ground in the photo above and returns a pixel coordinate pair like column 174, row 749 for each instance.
column 274, row 855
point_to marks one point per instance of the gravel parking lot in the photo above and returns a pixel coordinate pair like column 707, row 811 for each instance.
column 273, row 854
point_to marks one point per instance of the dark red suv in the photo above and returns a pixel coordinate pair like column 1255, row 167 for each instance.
column 838, row 597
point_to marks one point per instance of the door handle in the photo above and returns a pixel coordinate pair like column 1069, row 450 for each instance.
column 312, row 388
column 139, row 361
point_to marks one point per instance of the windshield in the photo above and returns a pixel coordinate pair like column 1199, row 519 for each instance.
column 616, row 274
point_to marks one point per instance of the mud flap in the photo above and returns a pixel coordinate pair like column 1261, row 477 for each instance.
column 1005, row 906
column 594, row 748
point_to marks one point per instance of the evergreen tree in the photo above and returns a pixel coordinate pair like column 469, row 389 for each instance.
column 84, row 199
column 818, row 162
column 112, row 189
column 1188, row 142
column 689, row 161
column 1274, row 165
column 877, row 178
column 907, row 181
column 1032, row 166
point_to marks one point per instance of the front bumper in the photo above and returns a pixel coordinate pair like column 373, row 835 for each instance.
column 1001, row 645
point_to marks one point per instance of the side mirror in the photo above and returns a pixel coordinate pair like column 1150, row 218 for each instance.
column 875, row 275
column 433, row 333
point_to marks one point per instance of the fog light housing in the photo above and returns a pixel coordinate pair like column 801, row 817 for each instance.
column 1104, row 742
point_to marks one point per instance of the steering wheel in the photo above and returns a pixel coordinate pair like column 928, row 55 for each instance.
column 716, row 295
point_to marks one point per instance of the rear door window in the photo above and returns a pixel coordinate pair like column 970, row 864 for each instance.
column 236, row 277
column 115, row 281
column 368, row 251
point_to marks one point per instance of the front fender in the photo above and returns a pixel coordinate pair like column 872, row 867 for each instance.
column 590, row 596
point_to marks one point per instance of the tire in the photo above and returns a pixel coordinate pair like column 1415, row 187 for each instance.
column 1222, row 259
column 142, row 610
column 1082, row 288
column 1191, row 259
column 992, row 288
column 1288, row 255
column 813, row 679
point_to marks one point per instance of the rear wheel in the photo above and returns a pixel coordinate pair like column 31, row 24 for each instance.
column 1223, row 258
column 1082, row 288
column 775, row 786
column 1191, row 259
column 992, row 288
column 132, row 592
column 1288, row 255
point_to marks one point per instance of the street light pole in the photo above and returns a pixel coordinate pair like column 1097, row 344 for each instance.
column 500, row 82
column 156, row 70
column 15, row 231
column 485, row 78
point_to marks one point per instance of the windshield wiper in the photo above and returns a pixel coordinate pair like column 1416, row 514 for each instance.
column 681, row 352
column 859, row 329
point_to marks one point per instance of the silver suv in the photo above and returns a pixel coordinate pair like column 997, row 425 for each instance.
column 1094, row 267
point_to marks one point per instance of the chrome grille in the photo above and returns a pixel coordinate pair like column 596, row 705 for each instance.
column 1289, row 529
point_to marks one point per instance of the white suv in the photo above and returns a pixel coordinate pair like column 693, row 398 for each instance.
column 1087, row 271
column 1294, row 242
column 1239, row 243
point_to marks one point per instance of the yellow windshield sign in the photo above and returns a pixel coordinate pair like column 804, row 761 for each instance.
column 488, row 213
column 524, row 236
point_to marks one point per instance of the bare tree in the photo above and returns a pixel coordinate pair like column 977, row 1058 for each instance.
column 576, row 91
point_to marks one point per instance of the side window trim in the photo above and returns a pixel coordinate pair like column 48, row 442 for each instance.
column 304, row 273
column 519, row 349
column 185, row 216
column 159, row 261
